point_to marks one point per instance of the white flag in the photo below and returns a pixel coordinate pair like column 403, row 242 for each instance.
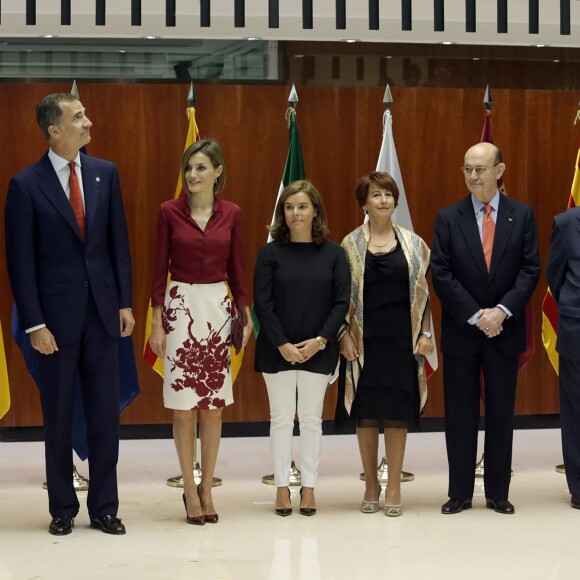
column 389, row 163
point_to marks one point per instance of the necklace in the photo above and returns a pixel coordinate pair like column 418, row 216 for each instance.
column 389, row 239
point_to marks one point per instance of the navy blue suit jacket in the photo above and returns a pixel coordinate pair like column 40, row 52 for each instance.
column 563, row 274
column 51, row 270
column 464, row 285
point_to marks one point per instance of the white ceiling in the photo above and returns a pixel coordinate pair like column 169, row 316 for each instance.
column 118, row 21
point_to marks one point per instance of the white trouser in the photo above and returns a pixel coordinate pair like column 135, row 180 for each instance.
column 292, row 392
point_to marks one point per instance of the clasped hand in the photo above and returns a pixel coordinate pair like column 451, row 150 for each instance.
column 299, row 352
column 490, row 321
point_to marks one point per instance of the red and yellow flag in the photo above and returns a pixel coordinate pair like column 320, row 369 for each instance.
column 487, row 137
column 549, row 306
column 150, row 357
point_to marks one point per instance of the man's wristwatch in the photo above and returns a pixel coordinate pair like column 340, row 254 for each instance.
column 426, row 333
column 321, row 342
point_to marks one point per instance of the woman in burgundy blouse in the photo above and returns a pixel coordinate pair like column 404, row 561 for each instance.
column 199, row 243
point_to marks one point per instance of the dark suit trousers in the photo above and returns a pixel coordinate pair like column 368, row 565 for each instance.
column 570, row 420
column 461, row 374
column 95, row 358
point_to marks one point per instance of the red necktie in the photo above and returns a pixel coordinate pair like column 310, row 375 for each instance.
column 488, row 231
column 76, row 199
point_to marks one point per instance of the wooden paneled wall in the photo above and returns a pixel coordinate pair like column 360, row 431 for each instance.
column 142, row 127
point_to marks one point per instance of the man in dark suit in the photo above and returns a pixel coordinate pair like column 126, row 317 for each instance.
column 485, row 267
column 67, row 252
column 563, row 274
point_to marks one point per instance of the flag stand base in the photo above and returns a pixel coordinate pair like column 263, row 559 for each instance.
column 177, row 481
column 80, row 483
column 480, row 467
column 295, row 476
column 383, row 474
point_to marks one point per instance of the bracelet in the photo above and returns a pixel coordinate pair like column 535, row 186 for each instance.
column 342, row 331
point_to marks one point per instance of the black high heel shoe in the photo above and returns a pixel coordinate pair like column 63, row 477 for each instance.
column 284, row 511
column 195, row 520
column 306, row 511
column 209, row 518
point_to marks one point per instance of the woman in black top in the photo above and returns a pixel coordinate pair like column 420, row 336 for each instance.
column 386, row 336
column 301, row 289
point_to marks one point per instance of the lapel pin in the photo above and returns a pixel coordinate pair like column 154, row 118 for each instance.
column 509, row 219
column 99, row 179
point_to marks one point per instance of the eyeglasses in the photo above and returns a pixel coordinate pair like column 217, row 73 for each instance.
column 480, row 169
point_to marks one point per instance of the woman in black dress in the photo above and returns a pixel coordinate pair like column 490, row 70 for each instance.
column 301, row 287
column 386, row 335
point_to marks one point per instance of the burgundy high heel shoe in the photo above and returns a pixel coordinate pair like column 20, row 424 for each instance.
column 209, row 518
column 195, row 520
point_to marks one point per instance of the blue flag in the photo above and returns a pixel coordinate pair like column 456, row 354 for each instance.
column 129, row 383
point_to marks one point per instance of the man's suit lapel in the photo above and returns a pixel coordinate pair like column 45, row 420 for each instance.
column 51, row 188
column 91, row 188
column 503, row 229
column 468, row 226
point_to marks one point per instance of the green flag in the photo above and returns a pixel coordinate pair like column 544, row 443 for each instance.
column 293, row 170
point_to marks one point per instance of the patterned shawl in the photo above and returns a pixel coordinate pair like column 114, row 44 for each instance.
column 417, row 253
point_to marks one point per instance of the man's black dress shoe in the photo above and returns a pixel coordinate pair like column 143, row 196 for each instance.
column 575, row 501
column 454, row 506
column 109, row 525
column 61, row 526
column 502, row 506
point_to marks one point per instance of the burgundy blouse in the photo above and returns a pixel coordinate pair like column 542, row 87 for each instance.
column 199, row 257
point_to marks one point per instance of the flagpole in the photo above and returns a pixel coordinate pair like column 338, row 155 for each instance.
column 383, row 468
column 295, row 474
column 487, row 103
column 80, row 483
column 486, row 136
column 177, row 481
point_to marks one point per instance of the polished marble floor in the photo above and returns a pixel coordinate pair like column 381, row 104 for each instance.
column 250, row 543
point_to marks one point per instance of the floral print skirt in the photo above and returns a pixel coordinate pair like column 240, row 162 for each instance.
column 197, row 369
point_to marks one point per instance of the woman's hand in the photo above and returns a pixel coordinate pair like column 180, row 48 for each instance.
column 308, row 348
column 157, row 341
column 347, row 347
column 424, row 346
column 248, row 327
column 290, row 353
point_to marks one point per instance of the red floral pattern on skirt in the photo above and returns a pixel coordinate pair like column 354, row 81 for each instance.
column 200, row 363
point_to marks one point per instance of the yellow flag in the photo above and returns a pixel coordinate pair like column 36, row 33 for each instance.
column 4, row 389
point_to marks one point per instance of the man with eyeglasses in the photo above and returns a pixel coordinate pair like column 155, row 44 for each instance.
column 485, row 266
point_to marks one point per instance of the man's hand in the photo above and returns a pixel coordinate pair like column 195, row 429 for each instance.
column 43, row 341
column 127, row 321
column 490, row 321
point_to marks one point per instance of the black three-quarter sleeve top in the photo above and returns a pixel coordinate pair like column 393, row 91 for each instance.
column 301, row 291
